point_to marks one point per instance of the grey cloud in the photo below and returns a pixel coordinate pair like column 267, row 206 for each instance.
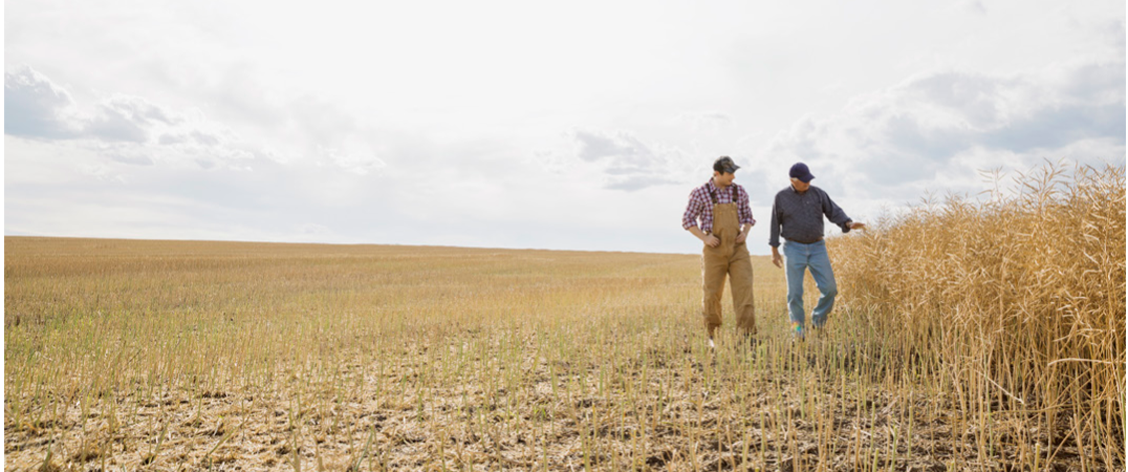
column 1116, row 31
column 125, row 153
column 170, row 139
column 204, row 138
column 897, row 166
column 803, row 138
column 633, row 183
column 628, row 163
column 623, row 170
column 195, row 136
column 37, row 108
column 112, row 125
column 1088, row 104
column 975, row 97
column 34, row 107
column 1055, row 127
column 906, row 134
column 122, row 128
column 140, row 110
column 307, row 124
column 312, row 123
column 1096, row 81
column 127, row 118
column 912, row 131
column 621, row 147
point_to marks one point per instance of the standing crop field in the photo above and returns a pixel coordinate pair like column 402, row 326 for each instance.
column 165, row 355
column 1015, row 305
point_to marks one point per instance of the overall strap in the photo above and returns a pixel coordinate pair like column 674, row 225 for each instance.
column 713, row 195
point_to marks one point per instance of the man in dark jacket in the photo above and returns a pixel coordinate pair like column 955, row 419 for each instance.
column 797, row 216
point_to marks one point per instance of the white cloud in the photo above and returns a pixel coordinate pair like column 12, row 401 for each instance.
column 133, row 130
column 354, row 156
column 898, row 140
column 127, row 118
column 35, row 107
column 627, row 163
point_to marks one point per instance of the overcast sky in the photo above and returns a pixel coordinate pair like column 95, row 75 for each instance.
column 572, row 125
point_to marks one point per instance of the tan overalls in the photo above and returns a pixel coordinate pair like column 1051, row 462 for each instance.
column 732, row 259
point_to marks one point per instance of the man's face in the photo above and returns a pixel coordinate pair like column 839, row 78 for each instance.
column 800, row 186
column 723, row 179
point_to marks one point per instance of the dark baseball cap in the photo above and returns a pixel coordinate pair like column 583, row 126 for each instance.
column 801, row 172
column 725, row 164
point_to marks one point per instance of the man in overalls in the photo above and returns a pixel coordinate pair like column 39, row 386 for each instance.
column 726, row 218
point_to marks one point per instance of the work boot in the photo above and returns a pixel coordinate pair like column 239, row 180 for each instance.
column 797, row 332
column 751, row 342
column 818, row 330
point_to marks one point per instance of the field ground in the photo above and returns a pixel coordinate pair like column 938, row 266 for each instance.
column 163, row 355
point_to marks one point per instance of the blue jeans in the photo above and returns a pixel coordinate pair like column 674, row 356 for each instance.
column 797, row 258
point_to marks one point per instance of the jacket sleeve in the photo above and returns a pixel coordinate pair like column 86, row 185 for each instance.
column 773, row 227
column 745, row 208
column 692, row 211
column 835, row 214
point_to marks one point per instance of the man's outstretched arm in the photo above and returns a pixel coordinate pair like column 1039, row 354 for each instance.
column 835, row 214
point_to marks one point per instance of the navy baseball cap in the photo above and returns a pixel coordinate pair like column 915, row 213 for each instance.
column 801, row 172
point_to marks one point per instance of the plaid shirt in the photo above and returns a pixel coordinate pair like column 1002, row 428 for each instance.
column 701, row 206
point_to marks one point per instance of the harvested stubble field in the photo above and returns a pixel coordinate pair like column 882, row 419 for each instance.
column 162, row 355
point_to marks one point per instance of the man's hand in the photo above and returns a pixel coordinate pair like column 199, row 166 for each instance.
column 708, row 239
column 741, row 237
column 776, row 258
column 856, row 225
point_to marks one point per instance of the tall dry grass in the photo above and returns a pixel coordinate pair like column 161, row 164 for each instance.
column 1012, row 305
